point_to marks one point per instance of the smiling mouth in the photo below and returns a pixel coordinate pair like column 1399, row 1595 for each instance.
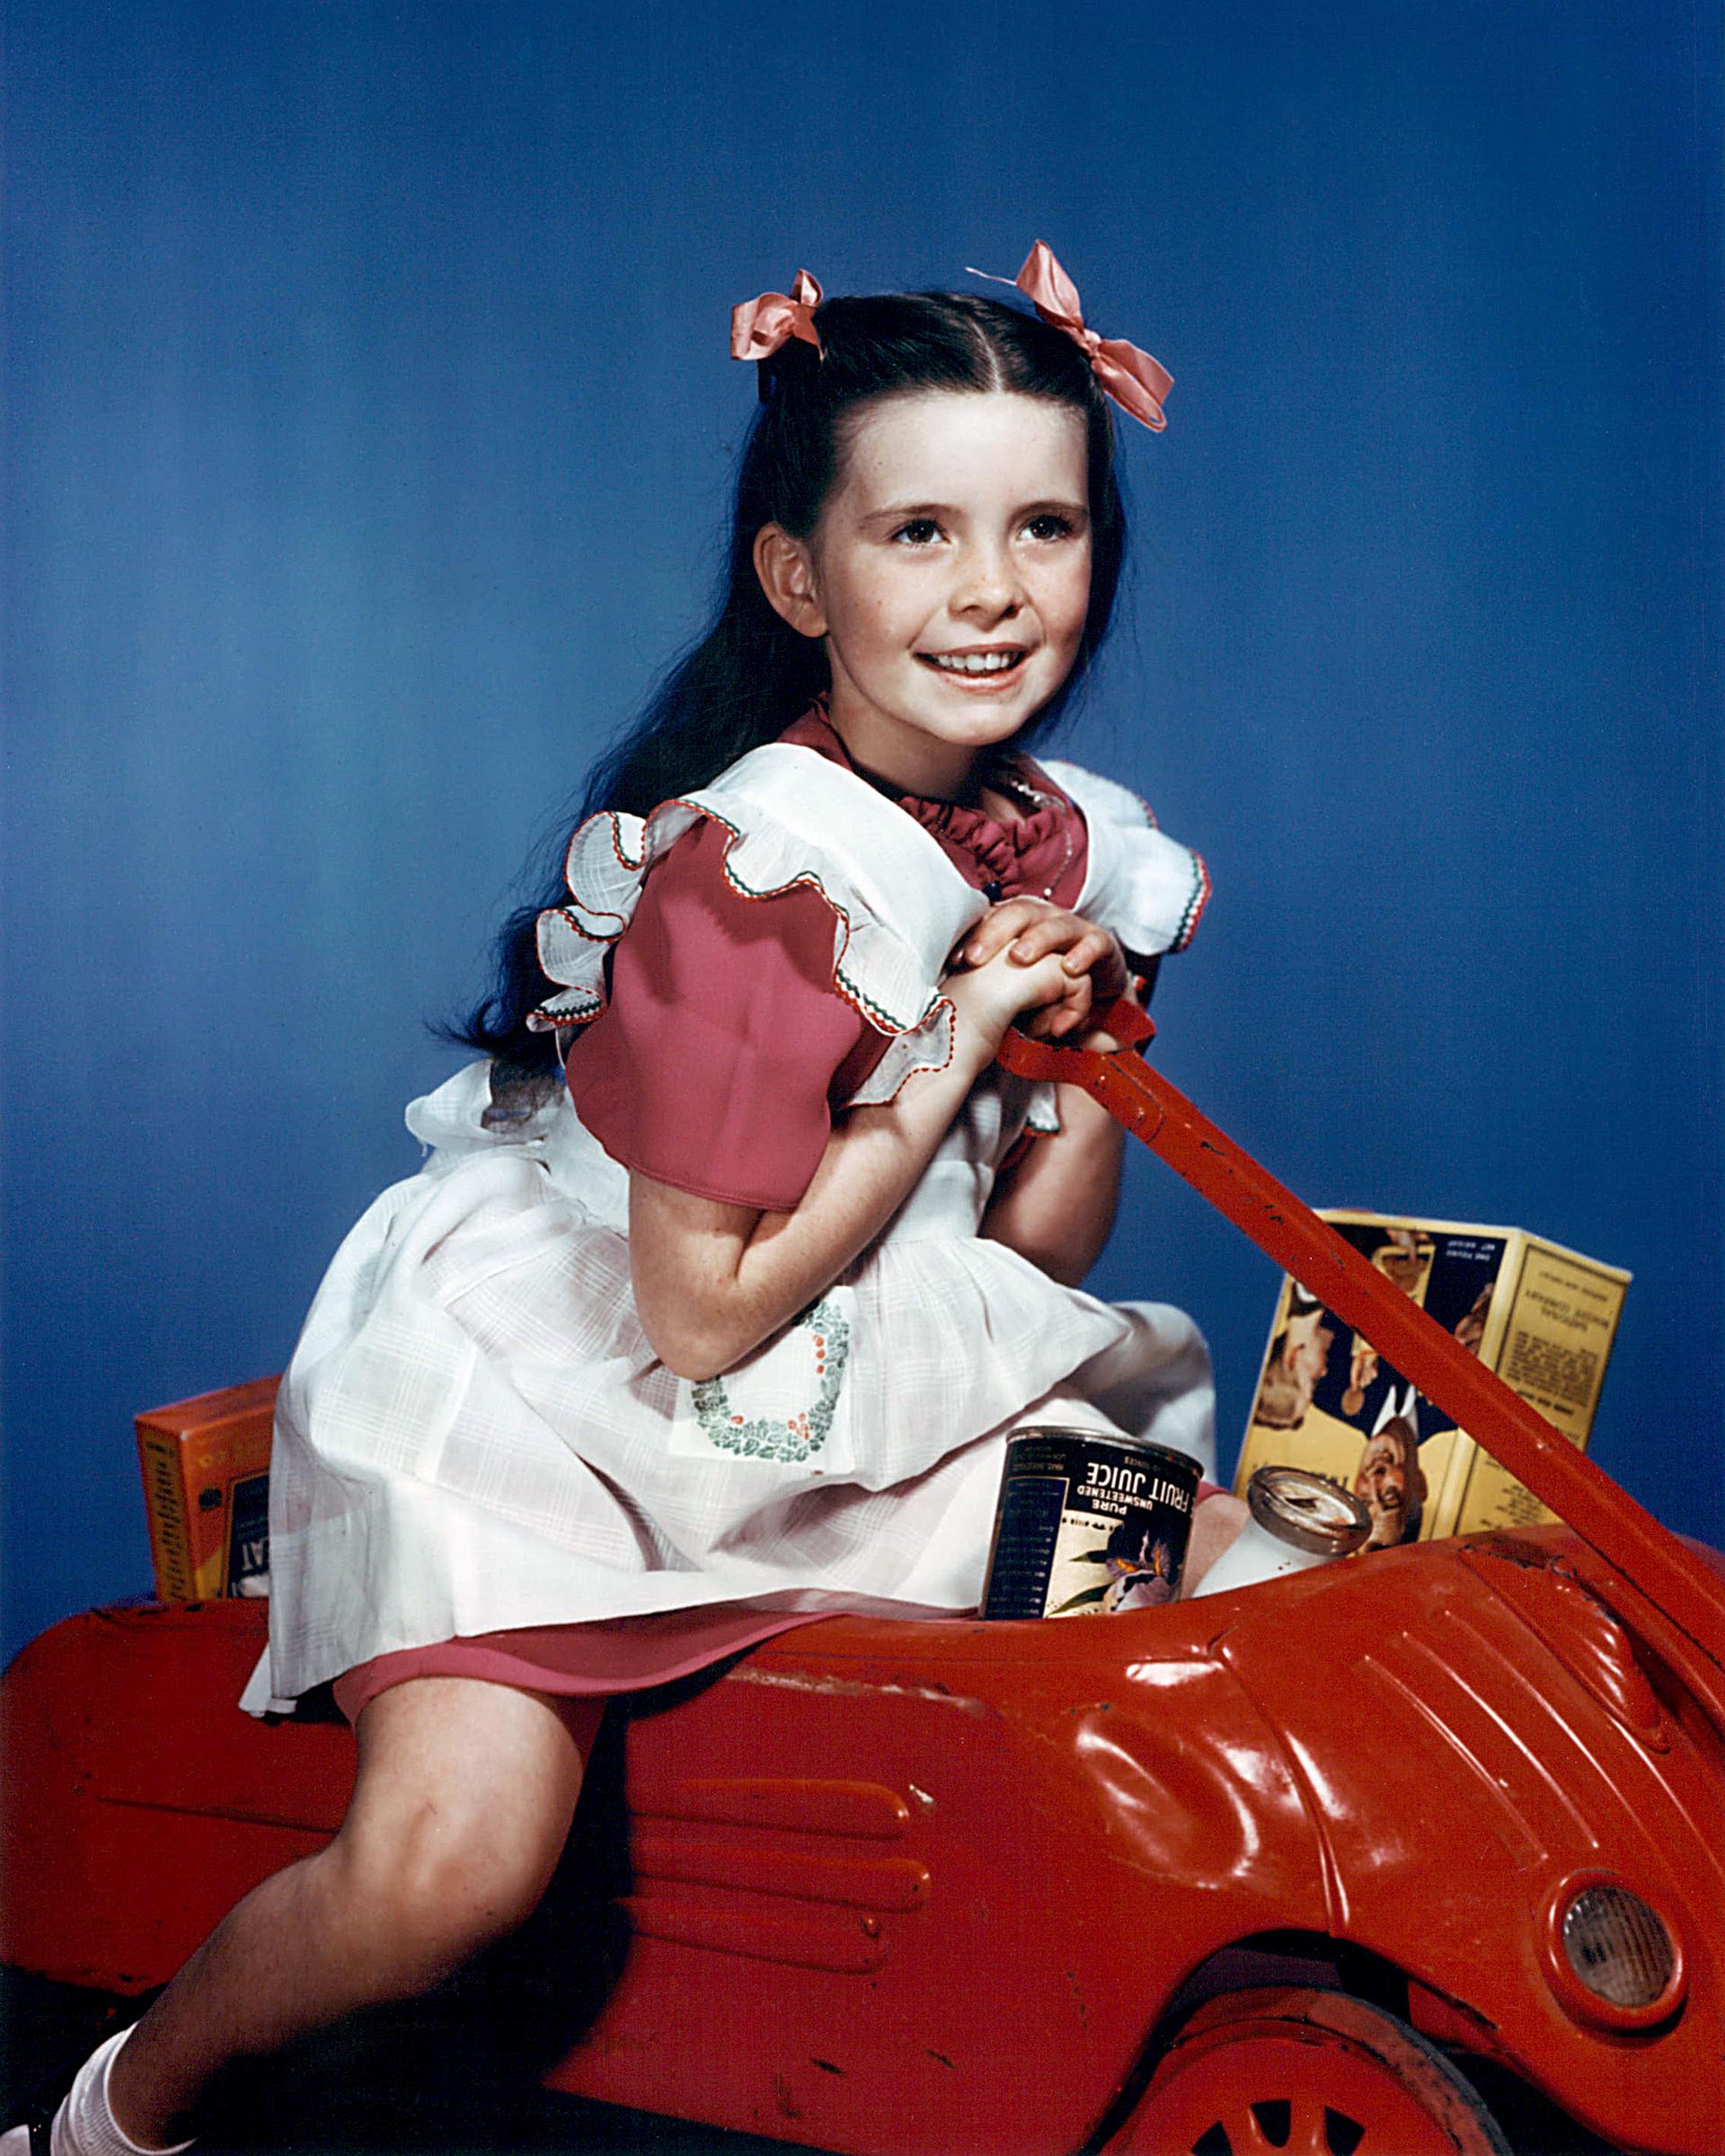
column 974, row 665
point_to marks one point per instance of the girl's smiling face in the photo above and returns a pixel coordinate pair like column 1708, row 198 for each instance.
column 949, row 576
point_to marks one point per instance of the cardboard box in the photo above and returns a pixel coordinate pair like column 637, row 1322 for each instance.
column 1544, row 1318
column 206, row 1467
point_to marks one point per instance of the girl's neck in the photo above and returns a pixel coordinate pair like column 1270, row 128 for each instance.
column 939, row 771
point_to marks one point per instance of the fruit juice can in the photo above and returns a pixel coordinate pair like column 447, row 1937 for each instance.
column 1087, row 1525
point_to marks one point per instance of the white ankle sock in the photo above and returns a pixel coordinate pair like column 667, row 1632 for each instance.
column 84, row 2126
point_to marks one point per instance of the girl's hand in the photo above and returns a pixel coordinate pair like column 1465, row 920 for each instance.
column 989, row 996
column 1028, row 930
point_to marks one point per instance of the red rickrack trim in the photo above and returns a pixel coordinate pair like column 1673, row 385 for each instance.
column 1195, row 906
column 549, row 1019
column 918, row 1070
column 849, row 990
column 586, row 935
column 625, row 859
column 600, row 913
column 554, row 1022
column 805, row 879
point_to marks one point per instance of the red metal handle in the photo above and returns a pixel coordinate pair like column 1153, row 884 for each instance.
column 1630, row 1540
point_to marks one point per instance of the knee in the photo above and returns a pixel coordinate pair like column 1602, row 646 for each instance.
column 432, row 1893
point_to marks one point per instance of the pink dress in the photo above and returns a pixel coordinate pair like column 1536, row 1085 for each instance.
column 481, row 1467
column 753, row 1133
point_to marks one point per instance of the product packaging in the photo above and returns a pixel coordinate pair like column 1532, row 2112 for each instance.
column 1088, row 1525
column 1295, row 1521
column 206, row 1467
column 1542, row 1317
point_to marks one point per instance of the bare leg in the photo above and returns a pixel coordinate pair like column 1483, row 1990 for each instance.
column 460, row 1810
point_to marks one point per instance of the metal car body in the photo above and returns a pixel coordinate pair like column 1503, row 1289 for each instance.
column 917, row 1888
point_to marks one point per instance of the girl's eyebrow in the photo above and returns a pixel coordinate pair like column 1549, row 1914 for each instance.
column 902, row 511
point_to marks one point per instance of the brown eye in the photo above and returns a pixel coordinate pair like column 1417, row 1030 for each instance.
column 1050, row 525
column 920, row 530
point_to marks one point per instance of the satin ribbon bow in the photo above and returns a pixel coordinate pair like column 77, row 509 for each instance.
column 1137, row 383
column 758, row 327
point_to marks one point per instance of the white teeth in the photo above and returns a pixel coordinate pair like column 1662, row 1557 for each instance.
column 976, row 662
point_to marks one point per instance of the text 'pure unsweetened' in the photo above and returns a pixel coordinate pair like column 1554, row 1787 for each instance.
column 1088, row 1526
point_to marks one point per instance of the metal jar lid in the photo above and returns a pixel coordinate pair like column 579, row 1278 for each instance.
column 1307, row 1512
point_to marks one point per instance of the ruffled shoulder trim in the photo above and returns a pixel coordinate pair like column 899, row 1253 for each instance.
column 1146, row 887
column 794, row 820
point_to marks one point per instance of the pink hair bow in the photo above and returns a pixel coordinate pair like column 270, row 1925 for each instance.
column 758, row 327
column 1137, row 383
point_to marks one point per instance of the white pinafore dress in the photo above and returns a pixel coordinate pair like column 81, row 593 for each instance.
column 474, row 1433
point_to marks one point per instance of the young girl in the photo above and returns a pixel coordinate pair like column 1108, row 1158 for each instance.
column 735, row 1261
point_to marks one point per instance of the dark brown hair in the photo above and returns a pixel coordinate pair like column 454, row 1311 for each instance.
column 751, row 675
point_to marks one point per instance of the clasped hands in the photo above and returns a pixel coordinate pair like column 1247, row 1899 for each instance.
column 1044, row 964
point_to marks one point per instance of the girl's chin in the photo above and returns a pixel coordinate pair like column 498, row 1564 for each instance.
column 875, row 727
column 1002, row 701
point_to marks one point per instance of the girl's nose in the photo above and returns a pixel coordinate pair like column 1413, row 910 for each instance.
column 990, row 586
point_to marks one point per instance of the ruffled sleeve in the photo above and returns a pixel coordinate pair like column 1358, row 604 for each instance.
column 1146, row 887
column 711, row 1064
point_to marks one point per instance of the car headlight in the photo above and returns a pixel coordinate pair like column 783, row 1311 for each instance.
column 1615, row 1959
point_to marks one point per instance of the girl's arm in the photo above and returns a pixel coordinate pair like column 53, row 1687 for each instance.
column 1056, row 1204
column 712, row 1281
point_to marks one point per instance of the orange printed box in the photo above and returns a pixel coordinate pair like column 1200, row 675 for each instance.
column 205, row 1468
column 1544, row 1318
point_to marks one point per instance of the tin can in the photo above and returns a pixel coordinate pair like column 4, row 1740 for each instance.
column 1087, row 1525
column 1297, row 1520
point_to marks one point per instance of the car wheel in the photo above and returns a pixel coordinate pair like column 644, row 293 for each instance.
column 1305, row 2074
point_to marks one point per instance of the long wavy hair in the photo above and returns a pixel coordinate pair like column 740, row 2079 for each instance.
column 751, row 675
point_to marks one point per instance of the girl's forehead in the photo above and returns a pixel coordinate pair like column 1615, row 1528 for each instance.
column 938, row 441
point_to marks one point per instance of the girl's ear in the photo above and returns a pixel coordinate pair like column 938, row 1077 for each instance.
column 787, row 572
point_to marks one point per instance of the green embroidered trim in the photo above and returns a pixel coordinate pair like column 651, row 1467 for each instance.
column 884, row 1020
column 1194, row 904
column 803, row 1435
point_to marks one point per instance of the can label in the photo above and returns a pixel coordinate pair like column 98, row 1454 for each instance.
column 1088, row 1526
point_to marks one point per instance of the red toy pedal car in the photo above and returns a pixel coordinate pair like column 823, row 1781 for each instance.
column 1304, row 1866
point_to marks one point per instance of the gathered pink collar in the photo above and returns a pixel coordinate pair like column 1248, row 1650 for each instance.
column 1009, row 856
column 1011, row 772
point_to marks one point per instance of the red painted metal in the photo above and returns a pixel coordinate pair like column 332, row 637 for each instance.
column 1305, row 2071
column 1674, row 1592
column 137, row 1805
column 895, row 1886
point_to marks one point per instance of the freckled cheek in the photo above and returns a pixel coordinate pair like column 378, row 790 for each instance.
column 1063, row 604
column 864, row 616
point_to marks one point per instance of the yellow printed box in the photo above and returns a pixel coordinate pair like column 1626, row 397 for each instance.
column 205, row 1468
column 1544, row 1318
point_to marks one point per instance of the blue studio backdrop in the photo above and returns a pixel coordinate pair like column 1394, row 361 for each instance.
column 371, row 426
